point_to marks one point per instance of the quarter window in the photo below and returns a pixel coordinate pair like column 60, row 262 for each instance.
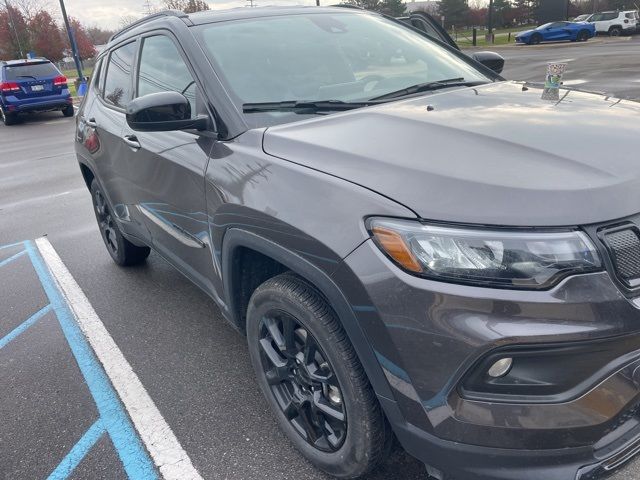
column 117, row 86
column 162, row 69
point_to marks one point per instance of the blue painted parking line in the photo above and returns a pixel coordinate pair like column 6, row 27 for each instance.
column 113, row 420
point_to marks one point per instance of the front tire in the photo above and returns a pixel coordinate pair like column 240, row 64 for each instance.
column 312, row 379
column 535, row 39
column 122, row 251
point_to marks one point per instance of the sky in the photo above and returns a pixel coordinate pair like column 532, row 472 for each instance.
column 108, row 13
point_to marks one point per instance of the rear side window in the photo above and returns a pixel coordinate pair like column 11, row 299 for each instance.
column 630, row 15
column 162, row 69
column 36, row 70
column 117, row 85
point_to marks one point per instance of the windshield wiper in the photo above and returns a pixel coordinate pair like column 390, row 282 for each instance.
column 427, row 87
column 305, row 106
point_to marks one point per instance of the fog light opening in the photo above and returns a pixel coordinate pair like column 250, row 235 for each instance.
column 501, row 367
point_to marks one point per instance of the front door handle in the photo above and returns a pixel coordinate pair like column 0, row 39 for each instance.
column 91, row 122
column 132, row 141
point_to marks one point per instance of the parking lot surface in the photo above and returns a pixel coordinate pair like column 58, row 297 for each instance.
column 62, row 416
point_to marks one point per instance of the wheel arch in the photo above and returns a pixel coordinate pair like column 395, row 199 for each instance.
column 87, row 174
column 238, row 242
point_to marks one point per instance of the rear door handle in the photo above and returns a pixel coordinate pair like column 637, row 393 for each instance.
column 91, row 122
column 132, row 141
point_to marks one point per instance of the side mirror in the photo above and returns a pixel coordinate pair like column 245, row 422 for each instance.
column 163, row 112
column 490, row 59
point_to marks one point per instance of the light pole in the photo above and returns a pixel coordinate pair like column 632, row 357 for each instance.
column 490, row 17
column 72, row 41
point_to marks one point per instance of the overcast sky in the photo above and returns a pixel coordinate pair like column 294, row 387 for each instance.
column 107, row 13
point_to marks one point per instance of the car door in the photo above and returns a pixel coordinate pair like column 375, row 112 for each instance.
column 167, row 168
column 102, row 120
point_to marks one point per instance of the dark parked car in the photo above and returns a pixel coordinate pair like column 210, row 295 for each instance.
column 32, row 85
column 413, row 246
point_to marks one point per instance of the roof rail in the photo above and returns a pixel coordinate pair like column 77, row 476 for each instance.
column 148, row 18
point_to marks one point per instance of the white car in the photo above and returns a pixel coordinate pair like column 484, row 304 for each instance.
column 615, row 23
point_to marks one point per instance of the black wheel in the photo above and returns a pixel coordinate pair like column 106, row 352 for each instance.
column 536, row 38
column 68, row 111
column 615, row 31
column 121, row 250
column 312, row 379
column 583, row 36
column 8, row 118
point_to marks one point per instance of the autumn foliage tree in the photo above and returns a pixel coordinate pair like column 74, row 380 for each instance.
column 14, row 34
column 46, row 37
column 84, row 44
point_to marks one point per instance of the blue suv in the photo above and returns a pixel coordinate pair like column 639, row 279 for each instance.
column 33, row 85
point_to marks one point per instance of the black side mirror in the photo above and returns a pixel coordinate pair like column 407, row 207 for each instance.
column 163, row 112
column 490, row 59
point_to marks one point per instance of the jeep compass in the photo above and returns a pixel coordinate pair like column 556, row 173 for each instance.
column 414, row 247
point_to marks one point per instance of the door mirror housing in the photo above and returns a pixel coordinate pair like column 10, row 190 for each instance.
column 491, row 60
column 163, row 112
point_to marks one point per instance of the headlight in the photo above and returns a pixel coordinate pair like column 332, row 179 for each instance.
column 494, row 258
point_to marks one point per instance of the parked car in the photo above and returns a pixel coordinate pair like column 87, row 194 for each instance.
column 425, row 23
column 615, row 23
column 582, row 18
column 32, row 85
column 556, row 32
column 412, row 245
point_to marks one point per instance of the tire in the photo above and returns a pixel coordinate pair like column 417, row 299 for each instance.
column 8, row 118
column 535, row 39
column 122, row 251
column 583, row 36
column 68, row 111
column 615, row 31
column 349, row 437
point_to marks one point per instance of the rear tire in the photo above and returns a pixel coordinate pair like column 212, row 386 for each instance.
column 68, row 111
column 615, row 31
column 348, row 436
column 8, row 118
column 535, row 39
column 122, row 251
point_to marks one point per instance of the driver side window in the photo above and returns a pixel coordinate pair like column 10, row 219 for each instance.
column 162, row 69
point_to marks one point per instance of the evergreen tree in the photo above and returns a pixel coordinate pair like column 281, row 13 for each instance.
column 395, row 8
column 454, row 12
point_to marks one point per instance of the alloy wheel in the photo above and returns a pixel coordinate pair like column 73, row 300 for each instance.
column 302, row 381
column 105, row 222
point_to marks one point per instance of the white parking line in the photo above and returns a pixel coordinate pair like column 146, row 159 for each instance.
column 163, row 446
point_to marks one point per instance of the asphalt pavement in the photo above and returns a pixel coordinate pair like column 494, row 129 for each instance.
column 193, row 365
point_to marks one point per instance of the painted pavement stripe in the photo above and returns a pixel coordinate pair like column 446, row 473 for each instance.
column 78, row 452
column 24, row 325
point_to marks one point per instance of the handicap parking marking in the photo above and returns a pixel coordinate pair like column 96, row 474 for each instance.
column 143, row 440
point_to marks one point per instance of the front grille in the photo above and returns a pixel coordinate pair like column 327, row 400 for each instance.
column 624, row 247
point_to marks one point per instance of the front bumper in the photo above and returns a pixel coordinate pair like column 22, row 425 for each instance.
column 427, row 336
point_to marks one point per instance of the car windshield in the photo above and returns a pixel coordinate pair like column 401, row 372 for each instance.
column 35, row 70
column 342, row 57
column 546, row 25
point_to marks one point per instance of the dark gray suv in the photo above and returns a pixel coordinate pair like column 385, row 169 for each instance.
column 413, row 246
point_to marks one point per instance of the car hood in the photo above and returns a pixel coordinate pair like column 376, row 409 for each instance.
column 497, row 154
column 525, row 33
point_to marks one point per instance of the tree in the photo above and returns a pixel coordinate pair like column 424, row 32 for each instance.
column 99, row 36
column 46, row 37
column 187, row 6
column 84, row 44
column 501, row 11
column 454, row 12
column 15, row 41
column 395, row 8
